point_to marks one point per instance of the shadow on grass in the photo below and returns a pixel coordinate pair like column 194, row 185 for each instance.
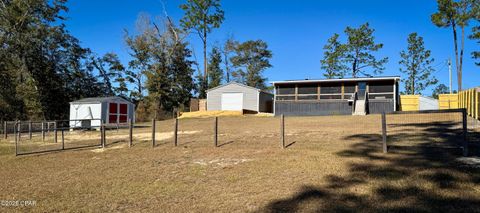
column 226, row 143
column 290, row 144
column 421, row 173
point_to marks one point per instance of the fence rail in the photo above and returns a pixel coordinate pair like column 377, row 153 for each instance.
column 59, row 135
column 451, row 130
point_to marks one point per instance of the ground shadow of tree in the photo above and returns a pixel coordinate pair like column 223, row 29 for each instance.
column 420, row 173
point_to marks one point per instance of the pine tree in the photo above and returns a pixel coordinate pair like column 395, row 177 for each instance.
column 453, row 14
column 359, row 51
column 39, row 60
column 202, row 16
column 332, row 56
column 251, row 59
column 416, row 65
column 215, row 71
column 111, row 71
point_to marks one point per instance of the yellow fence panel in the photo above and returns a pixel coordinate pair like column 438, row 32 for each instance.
column 409, row 102
column 470, row 100
column 448, row 101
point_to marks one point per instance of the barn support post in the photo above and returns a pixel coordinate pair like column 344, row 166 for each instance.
column 43, row 131
column 55, row 132
column 5, row 130
column 16, row 138
column 130, row 127
column 465, row 132
column 175, row 132
column 153, row 133
column 384, row 133
column 282, row 131
column 215, row 132
column 30, row 130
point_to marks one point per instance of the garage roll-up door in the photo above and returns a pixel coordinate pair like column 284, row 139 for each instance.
column 232, row 101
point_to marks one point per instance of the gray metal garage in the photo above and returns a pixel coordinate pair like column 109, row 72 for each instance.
column 234, row 96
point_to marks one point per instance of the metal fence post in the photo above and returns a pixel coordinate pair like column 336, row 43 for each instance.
column 30, row 130
column 175, row 132
column 130, row 141
column 16, row 139
column 465, row 132
column 19, row 130
column 63, row 140
column 282, row 130
column 104, row 132
column 101, row 134
column 43, row 131
column 5, row 130
column 153, row 132
column 215, row 132
column 384, row 133
column 55, row 139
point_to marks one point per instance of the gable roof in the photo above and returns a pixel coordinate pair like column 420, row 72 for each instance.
column 338, row 80
column 239, row 84
column 100, row 100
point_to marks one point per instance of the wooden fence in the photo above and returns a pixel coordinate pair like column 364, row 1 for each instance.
column 468, row 99
column 409, row 102
column 448, row 101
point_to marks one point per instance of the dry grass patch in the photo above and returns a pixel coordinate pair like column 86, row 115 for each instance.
column 210, row 114
column 332, row 164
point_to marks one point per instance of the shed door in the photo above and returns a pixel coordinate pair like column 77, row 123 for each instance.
column 232, row 101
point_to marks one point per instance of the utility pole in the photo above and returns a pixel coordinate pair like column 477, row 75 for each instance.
column 450, row 73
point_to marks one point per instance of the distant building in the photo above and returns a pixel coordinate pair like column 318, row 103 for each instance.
column 89, row 112
column 234, row 96
column 347, row 96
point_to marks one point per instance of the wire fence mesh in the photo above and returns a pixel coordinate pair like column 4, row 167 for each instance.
column 38, row 137
column 425, row 131
column 417, row 131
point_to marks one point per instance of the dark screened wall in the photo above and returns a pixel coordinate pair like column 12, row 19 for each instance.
column 332, row 98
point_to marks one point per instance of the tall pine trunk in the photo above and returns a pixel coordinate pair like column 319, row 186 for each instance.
column 457, row 64
column 354, row 68
column 461, row 58
column 205, row 67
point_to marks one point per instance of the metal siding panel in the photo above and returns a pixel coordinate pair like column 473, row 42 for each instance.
column 379, row 106
column 313, row 108
column 82, row 111
column 427, row 103
column 250, row 102
column 263, row 102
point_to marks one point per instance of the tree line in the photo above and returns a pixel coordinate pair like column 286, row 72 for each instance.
column 356, row 56
column 43, row 67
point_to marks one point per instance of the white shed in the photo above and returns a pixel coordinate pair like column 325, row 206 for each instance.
column 89, row 112
column 234, row 96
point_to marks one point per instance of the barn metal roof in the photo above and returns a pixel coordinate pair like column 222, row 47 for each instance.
column 338, row 80
column 100, row 100
column 239, row 84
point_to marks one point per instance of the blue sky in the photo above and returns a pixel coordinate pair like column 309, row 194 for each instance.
column 295, row 31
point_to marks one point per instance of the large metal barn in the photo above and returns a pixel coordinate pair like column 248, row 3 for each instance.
column 347, row 96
